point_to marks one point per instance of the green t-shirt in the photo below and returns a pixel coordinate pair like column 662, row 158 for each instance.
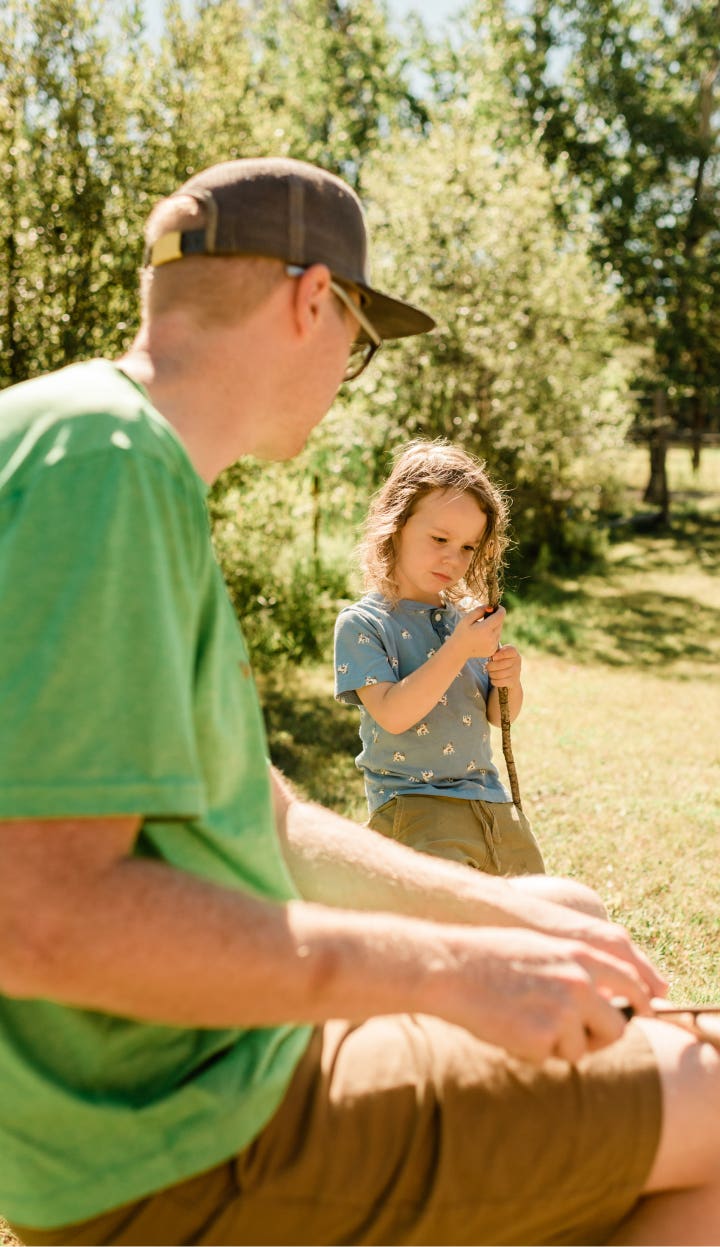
column 125, row 688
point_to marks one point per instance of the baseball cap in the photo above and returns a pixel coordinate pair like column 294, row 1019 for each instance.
column 292, row 211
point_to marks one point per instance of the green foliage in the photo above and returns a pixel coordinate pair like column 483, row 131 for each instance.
column 64, row 257
column 526, row 367
column 96, row 124
column 626, row 95
column 331, row 103
column 286, row 596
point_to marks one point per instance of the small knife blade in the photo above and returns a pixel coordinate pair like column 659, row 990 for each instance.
column 661, row 1009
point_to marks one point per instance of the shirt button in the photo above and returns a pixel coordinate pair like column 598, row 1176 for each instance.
column 438, row 615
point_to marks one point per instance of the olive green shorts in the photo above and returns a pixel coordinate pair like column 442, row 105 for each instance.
column 408, row 1130
column 489, row 835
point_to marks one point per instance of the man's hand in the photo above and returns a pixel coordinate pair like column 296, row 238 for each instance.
column 536, row 996
column 607, row 938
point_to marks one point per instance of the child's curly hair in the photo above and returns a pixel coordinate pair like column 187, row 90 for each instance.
column 421, row 467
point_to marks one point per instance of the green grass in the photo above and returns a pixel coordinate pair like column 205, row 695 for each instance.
column 618, row 747
column 684, row 484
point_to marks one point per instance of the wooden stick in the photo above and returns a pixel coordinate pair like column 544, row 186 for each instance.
column 660, row 1007
column 707, row 1031
column 507, row 747
column 494, row 596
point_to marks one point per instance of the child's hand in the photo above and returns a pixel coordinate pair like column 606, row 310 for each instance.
column 504, row 667
column 478, row 633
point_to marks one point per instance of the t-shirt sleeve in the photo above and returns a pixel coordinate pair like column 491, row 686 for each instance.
column 100, row 566
column 360, row 656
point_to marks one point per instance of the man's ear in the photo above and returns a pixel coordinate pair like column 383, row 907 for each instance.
column 312, row 289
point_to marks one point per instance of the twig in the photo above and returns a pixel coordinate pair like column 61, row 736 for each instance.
column 507, row 747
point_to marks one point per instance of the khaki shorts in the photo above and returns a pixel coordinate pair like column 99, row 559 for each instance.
column 408, row 1130
column 489, row 835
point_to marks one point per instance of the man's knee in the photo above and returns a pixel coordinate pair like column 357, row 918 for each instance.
column 689, row 1148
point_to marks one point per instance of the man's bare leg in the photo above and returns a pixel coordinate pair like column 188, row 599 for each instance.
column 683, row 1187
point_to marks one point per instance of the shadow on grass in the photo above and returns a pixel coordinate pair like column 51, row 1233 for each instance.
column 314, row 740
column 689, row 535
column 604, row 618
column 640, row 629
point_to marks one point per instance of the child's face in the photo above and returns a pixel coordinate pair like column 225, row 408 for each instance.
column 436, row 545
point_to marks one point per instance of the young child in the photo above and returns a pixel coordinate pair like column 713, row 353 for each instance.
column 425, row 673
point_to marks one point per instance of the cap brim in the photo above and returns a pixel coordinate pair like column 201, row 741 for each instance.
column 391, row 317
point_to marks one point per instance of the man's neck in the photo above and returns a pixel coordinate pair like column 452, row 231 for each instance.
column 182, row 386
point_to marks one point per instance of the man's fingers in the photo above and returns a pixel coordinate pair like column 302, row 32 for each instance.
column 612, row 977
column 574, row 1041
column 593, row 1023
column 621, row 947
column 657, row 984
column 570, row 1028
column 604, row 1024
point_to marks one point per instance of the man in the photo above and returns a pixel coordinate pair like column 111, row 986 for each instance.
column 179, row 930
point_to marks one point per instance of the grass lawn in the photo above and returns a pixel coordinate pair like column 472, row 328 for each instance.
column 618, row 746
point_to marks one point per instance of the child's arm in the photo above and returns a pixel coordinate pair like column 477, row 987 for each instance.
column 504, row 671
column 397, row 707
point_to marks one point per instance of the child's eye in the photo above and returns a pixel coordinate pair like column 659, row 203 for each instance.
column 469, row 549
column 440, row 540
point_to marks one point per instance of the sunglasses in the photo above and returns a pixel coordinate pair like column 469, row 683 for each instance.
column 368, row 341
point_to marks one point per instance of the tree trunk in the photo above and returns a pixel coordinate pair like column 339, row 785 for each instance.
column 316, row 522
column 698, row 428
column 657, row 487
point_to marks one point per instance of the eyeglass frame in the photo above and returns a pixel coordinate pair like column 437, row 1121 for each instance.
column 373, row 339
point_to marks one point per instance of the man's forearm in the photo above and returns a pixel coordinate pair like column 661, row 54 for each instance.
column 337, row 862
column 88, row 924
column 125, row 935
column 147, row 941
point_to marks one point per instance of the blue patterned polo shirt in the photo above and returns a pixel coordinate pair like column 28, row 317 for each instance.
column 446, row 754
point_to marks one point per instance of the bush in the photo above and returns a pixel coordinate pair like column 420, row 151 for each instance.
column 285, row 595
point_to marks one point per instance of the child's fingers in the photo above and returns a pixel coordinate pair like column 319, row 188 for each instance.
column 505, row 658
column 504, row 667
column 483, row 614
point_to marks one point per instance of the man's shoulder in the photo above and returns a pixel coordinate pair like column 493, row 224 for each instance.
column 86, row 409
column 372, row 609
column 90, row 386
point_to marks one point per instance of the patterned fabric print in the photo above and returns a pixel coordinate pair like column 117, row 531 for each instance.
column 448, row 751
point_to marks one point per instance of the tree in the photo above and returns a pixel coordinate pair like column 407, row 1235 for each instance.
column 625, row 92
column 526, row 367
column 96, row 124
column 71, row 250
